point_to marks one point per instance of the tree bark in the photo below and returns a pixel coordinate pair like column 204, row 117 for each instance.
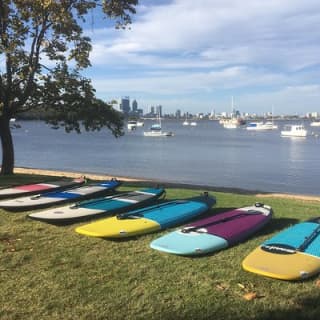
column 7, row 146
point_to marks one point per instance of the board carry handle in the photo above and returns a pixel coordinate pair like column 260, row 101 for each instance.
column 308, row 240
column 40, row 195
column 78, row 204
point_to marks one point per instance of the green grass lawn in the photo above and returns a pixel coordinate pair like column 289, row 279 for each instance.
column 51, row 272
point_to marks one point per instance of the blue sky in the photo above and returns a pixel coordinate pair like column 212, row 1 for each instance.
column 195, row 55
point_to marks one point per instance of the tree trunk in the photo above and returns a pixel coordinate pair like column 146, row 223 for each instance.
column 7, row 146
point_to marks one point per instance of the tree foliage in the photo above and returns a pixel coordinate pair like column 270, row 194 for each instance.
column 42, row 52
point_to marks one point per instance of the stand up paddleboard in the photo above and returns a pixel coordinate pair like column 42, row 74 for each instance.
column 148, row 219
column 293, row 254
column 216, row 232
column 60, row 197
column 38, row 188
column 98, row 208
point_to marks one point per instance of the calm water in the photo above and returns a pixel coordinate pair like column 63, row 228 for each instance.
column 204, row 155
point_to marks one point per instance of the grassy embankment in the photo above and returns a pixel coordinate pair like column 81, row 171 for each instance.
column 50, row 272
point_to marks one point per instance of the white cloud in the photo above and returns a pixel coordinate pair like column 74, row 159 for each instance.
column 255, row 28
column 189, row 46
column 180, row 83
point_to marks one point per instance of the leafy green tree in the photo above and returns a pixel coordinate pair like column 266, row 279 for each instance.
column 42, row 53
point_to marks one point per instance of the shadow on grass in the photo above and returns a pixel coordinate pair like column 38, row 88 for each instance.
column 167, row 185
column 305, row 309
column 277, row 224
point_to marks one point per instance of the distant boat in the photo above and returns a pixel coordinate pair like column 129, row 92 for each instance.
column 315, row 124
column 262, row 126
column 140, row 123
column 156, row 131
column 186, row 122
column 231, row 123
column 294, row 130
column 14, row 124
column 193, row 124
column 132, row 125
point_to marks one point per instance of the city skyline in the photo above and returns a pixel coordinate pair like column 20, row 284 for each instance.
column 186, row 54
column 131, row 109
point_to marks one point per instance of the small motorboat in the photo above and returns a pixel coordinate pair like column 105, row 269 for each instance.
column 294, row 130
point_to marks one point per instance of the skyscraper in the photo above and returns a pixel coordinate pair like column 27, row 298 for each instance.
column 159, row 110
column 135, row 106
column 125, row 105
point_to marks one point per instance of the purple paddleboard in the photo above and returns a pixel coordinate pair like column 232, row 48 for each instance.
column 215, row 232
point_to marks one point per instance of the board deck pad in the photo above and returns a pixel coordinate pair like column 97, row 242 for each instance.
column 148, row 219
column 292, row 254
column 98, row 208
column 215, row 232
column 29, row 189
column 59, row 197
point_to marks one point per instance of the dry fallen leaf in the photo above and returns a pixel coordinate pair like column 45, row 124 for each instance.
column 318, row 283
column 250, row 296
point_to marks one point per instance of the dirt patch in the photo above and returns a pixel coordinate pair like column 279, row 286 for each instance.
column 71, row 174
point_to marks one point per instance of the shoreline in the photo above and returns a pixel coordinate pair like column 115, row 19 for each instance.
column 94, row 176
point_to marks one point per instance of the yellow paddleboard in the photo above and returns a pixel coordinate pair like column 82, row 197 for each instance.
column 284, row 266
column 118, row 228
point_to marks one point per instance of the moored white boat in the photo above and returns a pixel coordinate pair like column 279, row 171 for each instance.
column 193, row 124
column 231, row 124
column 140, row 123
column 262, row 126
column 315, row 124
column 160, row 133
column 132, row 125
column 294, row 130
column 156, row 131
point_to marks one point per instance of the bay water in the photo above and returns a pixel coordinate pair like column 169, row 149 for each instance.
column 206, row 154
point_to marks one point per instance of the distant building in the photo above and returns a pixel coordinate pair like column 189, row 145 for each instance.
column 178, row 114
column 140, row 112
column 237, row 113
column 135, row 106
column 125, row 105
column 159, row 111
column 200, row 115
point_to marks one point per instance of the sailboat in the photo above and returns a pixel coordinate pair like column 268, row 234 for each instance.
column 186, row 122
column 232, row 123
column 156, row 130
column 268, row 125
